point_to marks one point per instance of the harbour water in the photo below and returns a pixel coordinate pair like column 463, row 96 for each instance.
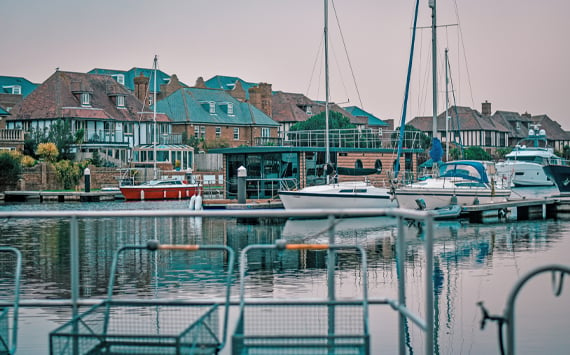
column 473, row 263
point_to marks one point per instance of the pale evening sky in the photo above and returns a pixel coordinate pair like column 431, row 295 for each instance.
column 513, row 53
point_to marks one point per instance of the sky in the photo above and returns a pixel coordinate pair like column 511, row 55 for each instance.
column 511, row 53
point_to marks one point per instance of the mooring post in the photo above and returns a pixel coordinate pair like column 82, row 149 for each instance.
column 242, row 175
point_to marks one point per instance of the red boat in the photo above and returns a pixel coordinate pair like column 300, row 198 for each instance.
column 161, row 189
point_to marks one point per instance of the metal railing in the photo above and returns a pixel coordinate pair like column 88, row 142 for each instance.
column 402, row 215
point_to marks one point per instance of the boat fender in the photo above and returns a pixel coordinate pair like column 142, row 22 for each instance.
column 198, row 203
column 192, row 205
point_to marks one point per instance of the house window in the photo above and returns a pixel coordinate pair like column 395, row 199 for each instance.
column 212, row 107
column 17, row 90
column 203, row 132
column 236, row 133
column 150, row 100
column 218, row 132
column 196, row 131
column 120, row 101
column 85, row 99
column 309, row 110
column 265, row 132
column 120, row 78
column 230, row 108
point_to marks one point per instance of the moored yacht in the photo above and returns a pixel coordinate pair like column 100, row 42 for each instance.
column 460, row 182
column 524, row 165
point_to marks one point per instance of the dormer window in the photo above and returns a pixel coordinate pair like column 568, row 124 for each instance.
column 85, row 99
column 120, row 101
column 120, row 78
column 150, row 100
column 230, row 108
column 212, row 107
column 309, row 111
column 14, row 89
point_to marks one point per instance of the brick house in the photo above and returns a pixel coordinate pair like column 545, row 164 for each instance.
column 467, row 127
column 218, row 118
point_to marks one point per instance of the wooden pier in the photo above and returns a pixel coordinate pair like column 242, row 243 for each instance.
column 61, row 196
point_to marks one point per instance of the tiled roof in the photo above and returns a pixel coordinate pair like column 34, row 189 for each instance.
column 287, row 107
column 228, row 83
column 515, row 122
column 130, row 75
column 3, row 112
column 461, row 118
column 372, row 120
column 192, row 105
column 554, row 131
column 6, row 82
column 55, row 98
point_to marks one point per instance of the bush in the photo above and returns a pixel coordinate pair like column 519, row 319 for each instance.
column 11, row 169
column 68, row 173
column 27, row 161
column 48, row 151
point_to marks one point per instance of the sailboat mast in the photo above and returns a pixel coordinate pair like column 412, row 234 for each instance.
column 154, row 117
column 446, row 107
column 326, row 41
column 432, row 5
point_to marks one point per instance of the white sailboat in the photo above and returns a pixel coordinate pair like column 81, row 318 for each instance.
column 336, row 194
column 456, row 183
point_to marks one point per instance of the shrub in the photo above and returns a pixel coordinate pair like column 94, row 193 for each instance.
column 11, row 169
column 68, row 173
column 48, row 151
column 27, row 161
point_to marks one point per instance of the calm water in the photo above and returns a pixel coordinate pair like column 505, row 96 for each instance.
column 472, row 263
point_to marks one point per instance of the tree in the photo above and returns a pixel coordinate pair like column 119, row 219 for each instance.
column 317, row 122
column 476, row 153
column 58, row 133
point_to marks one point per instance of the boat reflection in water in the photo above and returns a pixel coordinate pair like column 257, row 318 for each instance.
column 472, row 263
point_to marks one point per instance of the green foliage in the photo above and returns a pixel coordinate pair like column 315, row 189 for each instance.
column 96, row 159
column 476, row 153
column 455, row 153
column 191, row 141
column 501, row 152
column 48, row 151
column 59, row 133
column 216, row 143
column 11, row 168
column 317, row 122
column 68, row 173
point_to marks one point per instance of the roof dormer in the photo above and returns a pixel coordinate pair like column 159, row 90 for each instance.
column 82, row 92
column 13, row 89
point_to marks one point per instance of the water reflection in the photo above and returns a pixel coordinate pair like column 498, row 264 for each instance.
column 472, row 263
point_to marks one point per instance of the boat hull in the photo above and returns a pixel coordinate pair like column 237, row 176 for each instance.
column 432, row 198
column 561, row 176
column 353, row 196
column 524, row 174
column 159, row 192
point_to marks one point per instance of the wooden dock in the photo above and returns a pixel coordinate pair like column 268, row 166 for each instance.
column 61, row 196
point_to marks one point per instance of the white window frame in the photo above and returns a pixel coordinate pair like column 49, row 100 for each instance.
column 236, row 133
column 309, row 110
column 212, row 107
column 218, row 132
column 120, row 78
column 202, row 131
column 120, row 101
column 230, row 108
column 85, row 99
column 265, row 132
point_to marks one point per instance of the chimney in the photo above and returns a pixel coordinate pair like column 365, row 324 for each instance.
column 200, row 83
column 260, row 97
column 238, row 92
column 141, row 88
column 486, row 108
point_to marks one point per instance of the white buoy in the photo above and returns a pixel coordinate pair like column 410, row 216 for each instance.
column 192, row 205
column 198, row 205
